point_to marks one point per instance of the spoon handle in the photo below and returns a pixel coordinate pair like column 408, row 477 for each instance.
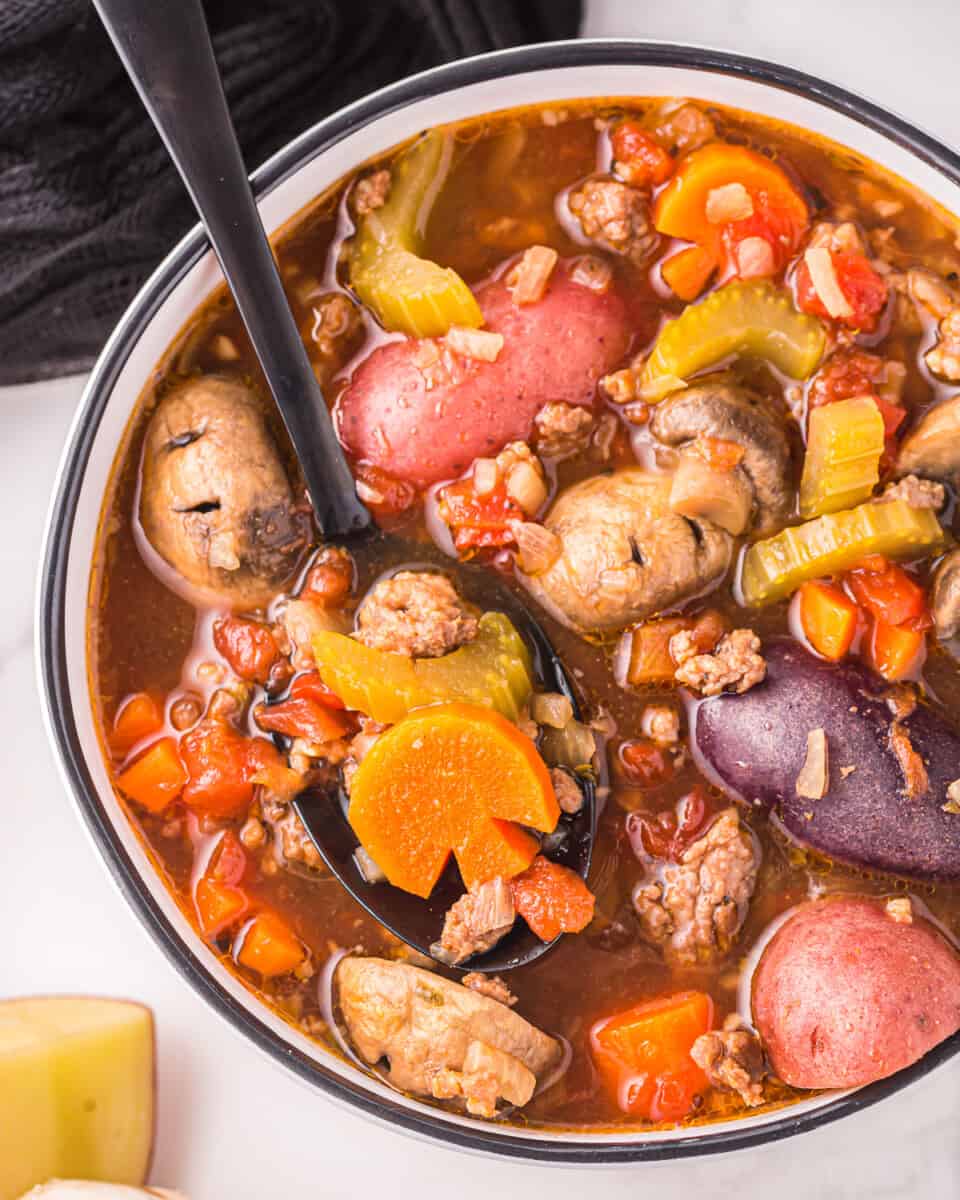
column 165, row 47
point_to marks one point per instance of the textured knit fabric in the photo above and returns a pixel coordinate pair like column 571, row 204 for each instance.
column 89, row 202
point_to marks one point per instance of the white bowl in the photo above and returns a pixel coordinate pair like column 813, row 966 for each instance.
column 305, row 168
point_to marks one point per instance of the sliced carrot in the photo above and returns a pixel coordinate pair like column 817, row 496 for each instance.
column 552, row 899
column 643, row 1055
column 138, row 717
column 268, row 945
column 155, row 778
column 894, row 651
column 829, row 619
column 451, row 778
column 681, row 208
column 688, row 271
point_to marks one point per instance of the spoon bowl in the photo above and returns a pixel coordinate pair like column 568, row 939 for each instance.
column 169, row 58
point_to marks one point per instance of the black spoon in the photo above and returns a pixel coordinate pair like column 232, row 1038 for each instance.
column 166, row 50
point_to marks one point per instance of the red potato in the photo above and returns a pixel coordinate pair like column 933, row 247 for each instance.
column 845, row 995
column 427, row 421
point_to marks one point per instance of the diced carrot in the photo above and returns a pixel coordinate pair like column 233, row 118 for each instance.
column 219, row 905
column 894, row 652
column 552, row 899
column 650, row 660
column 886, row 590
column 247, row 645
column 304, row 717
column 688, row 271
column 643, row 1055
column 155, row 778
column 451, row 778
column 829, row 619
column 268, row 945
column 138, row 717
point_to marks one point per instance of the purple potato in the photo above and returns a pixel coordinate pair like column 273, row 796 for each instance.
column 755, row 744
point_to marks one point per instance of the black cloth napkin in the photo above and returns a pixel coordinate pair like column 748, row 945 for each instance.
column 89, row 202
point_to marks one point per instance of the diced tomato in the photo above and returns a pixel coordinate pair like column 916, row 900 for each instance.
column 247, row 645
column 310, row 686
column 894, row 651
column 268, row 945
column 304, row 717
column 846, row 374
column 138, row 717
column 669, row 833
column 221, row 763
column 479, row 522
column 268, row 767
column 643, row 1055
column 640, row 159
column 552, row 899
column 829, row 619
column 886, row 591
column 229, row 862
column 774, row 222
column 330, row 578
column 382, row 493
column 688, row 271
column 156, row 777
column 645, row 764
column 864, row 289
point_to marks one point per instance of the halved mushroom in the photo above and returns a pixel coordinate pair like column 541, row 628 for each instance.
column 215, row 502
column 624, row 554
column 734, row 414
column 932, row 448
column 945, row 597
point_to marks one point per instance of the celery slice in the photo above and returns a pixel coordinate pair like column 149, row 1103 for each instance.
column 410, row 294
column 744, row 317
column 842, row 464
column 494, row 670
column 775, row 567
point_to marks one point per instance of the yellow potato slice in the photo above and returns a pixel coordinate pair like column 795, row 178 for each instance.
column 76, row 1091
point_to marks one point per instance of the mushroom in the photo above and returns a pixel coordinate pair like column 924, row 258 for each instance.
column 733, row 414
column 932, row 448
column 624, row 554
column 945, row 597
column 215, row 501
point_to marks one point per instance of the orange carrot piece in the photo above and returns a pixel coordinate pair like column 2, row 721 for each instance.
column 451, row 778
column 829, row 619
column 137, row 718
column 894, row 651
column 156, row 778
column 268, row 945
column 643, row 1055
column 552, row 899
column 650, row 660
column 688, row 271
column 219, row 905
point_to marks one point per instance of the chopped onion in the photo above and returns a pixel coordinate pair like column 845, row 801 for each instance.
column 755, row 258
column 529, row 278
column 551, row 708
column 572, row 746
column 486, row 476
column 731, row 202
column 526, row 487
column 814, row 778
column 538, row 548
column 480, row 344
column 592, row 273
column 370, row 870
column 823, row 276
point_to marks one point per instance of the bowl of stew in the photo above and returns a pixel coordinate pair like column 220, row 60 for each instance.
column 668, row 342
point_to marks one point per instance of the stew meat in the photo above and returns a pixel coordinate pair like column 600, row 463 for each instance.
column 687, row 380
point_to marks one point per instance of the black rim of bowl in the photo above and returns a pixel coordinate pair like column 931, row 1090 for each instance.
column 702, row 1140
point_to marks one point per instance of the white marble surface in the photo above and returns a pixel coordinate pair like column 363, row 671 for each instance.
column 233, row 1126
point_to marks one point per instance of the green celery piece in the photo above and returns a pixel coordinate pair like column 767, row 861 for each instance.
column 775, row 567
column 842, row 463
column 743, row 317
column 494, row 670
column 410, row 294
